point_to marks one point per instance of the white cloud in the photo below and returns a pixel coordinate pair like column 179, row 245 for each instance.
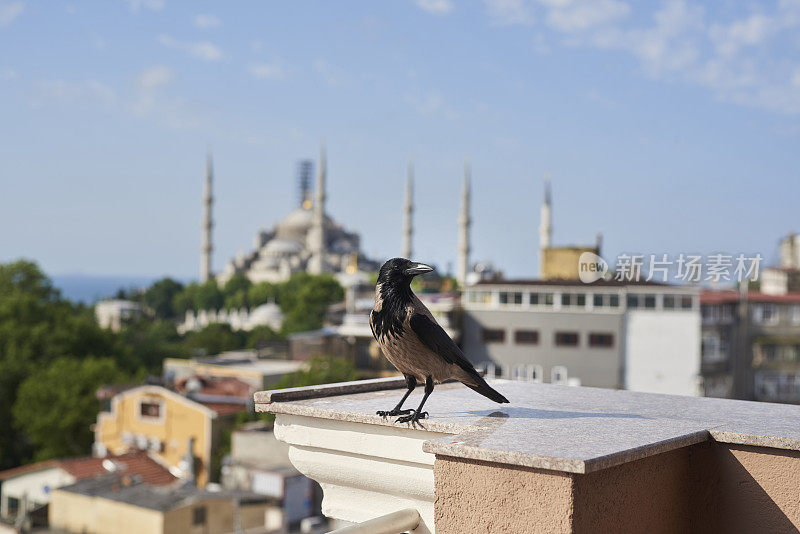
column 9, row 12
column 268, row 71
column 435, row 7
column 201, row 50
column 331, row 74
column 509, row 12
column 430, row 104
column 206, row 21
column 581, row 15
column 84, row 93
column 733, row 60
column 149, row 5
column 8, row 74
column 753, row 30
column 154, row 77
column 149, row 83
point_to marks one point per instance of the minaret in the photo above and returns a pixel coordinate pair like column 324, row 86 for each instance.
column 408, row 211
column 545, row 229
column 208, row 223
column 463, row 229
column 316, row 264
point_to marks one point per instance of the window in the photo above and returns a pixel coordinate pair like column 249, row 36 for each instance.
column 541, row 299
column 566, row 339
column 573, row 299
column 526, row 337
column 669, row 302
column 714, row 347
column 558, row 374
column 765, row 314
column 494, row 335
column 597, row 301
column 613, row 301
column 686, row 302
column 150, row 409
column 529, row 372
column 650, row 301
column 533, row 298
column 632, row 301
column 597, row 339
column 507, row 297
column 199, row 515
column 795, row 313
column 479, row 297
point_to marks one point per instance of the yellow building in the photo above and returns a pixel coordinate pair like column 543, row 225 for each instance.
column 165, row 423
column 562, row 262
column 119, row 505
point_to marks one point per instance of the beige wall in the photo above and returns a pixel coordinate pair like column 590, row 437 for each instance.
column 96, row 515
column 80, row 513
column 473, row 496
column 709, row 487
column 181, row 419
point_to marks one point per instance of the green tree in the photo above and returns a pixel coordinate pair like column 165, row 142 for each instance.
column 304, row 298
column 213, row 339
column 185, row 300
column 36, row 327
column 261, row 334
column 160, row 297
column 262, row 293
column 56, row 404
column 237, row 283
column 208, row 297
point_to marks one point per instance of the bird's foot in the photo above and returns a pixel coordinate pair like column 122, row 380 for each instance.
column 413, row 418
column 393, row 412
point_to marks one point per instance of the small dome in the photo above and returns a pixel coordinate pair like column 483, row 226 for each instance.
column 279, row 247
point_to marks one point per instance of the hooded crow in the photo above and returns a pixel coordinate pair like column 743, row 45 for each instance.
column 413, row 341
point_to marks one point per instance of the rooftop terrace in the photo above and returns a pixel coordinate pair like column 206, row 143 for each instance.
column 557, row 445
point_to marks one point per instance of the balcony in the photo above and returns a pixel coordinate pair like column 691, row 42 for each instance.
column 557, row 459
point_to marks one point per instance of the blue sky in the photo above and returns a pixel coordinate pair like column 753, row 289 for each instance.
column 669, row 126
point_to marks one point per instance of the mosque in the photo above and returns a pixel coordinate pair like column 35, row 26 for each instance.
column 308, row 239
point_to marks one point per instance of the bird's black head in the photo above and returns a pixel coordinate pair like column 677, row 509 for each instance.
column 400, row 272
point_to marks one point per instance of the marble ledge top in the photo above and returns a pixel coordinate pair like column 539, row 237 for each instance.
column 562, row 428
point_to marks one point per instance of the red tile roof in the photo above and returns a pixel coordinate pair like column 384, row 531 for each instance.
column 136, row 463
column 729, row 296
column 225, row 408
column 30, row 468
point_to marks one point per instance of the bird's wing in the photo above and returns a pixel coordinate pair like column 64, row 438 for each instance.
column 371, row 327
column 435, row 338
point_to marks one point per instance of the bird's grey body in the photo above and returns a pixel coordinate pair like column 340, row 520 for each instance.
column 408, row 353
column 413, row 341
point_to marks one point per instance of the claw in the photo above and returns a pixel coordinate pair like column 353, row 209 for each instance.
column 393, row 412
column 412, row 418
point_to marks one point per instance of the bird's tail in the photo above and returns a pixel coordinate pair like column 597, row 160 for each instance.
column 485, row 389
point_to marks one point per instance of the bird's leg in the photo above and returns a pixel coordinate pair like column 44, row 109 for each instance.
column 411, row 382
column 419, row 414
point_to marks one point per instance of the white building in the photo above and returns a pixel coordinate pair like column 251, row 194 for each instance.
column 113, row 314
column 643, row 337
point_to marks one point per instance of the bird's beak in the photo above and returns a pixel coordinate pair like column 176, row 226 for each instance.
column 418, row 268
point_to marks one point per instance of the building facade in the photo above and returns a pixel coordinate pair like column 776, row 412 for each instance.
column 751, row 345
column 643, row 337
column 177, row 431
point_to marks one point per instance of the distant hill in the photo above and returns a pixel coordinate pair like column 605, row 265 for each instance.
column 89, row 288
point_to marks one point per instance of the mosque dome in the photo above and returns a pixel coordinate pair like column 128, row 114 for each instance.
column 296, row 225
column 281, row 246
